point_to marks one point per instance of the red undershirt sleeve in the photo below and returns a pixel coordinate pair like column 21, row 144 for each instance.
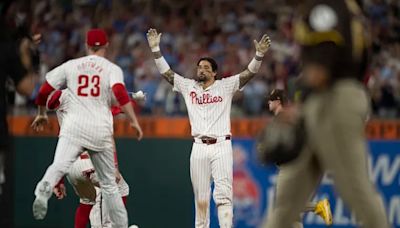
column 44, row 93
column 120, row 94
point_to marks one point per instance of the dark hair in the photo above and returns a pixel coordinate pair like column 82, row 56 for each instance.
column 278, row 95
column 214, row 65
column 95, row 48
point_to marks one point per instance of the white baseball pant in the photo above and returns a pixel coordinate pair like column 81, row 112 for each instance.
column 212, row 163
column 99, row 215
column 66, row 153
column 83, row 178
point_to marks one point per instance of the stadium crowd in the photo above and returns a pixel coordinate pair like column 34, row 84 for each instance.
column 222, row 29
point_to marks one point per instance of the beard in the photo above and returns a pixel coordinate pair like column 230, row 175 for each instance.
column 201, row 78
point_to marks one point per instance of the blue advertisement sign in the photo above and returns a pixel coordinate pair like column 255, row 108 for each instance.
column 254, row 187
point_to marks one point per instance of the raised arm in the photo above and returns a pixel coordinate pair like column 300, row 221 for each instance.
column 122, row 97
column 153, row 37
column 262, row 47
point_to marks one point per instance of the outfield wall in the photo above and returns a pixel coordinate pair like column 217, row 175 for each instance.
column 161, row 195
column 156, row 170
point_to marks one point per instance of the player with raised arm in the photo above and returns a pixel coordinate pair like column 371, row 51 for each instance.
column 88, row 123
column 208, row 103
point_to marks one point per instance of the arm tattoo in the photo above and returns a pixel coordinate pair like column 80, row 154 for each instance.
column 169, row 76
column 245, row 77
column 157, row 55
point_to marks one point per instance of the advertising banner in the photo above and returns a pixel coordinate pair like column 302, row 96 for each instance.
column 254, row 187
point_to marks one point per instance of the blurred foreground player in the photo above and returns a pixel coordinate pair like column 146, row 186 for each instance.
column 17, row 67
column 88, row 123
column 334, row 52
column 277, row 101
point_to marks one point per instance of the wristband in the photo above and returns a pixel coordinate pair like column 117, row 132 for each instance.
column 254, row 65
column 155, row 49
column 259, row 54
column 162, row 65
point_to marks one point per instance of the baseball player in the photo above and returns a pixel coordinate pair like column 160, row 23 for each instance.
column 83, row 178
column 82, row 174
column 208, row 103
column 88, row 124
column 334, row 41
column 277, row 101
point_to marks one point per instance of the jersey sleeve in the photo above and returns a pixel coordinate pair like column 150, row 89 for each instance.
column 231, row 84
column 117, row 77
column 181, row 84
column 53, row 102
column 57, row 77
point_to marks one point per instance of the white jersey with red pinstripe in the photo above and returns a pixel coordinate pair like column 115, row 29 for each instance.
column 209, row 114
column 89, row 82
column 209, row 109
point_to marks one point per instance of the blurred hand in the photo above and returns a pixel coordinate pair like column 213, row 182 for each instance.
column 138, row 129
column 263, row 45
column 60, row 191
column 118, row 176
column 36, row 39
column 153, row 38
column 139, row 96
column 39, row 122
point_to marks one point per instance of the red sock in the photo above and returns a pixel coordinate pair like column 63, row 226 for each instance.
column 124, row 199
column 82, row 215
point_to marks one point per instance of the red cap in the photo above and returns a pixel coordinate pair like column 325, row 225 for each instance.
column 96, row 38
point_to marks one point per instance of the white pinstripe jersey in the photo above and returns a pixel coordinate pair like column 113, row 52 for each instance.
column 209, row 109
column 88, row 81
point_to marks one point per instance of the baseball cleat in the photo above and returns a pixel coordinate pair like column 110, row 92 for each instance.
column 323, row 209
column 39, row 207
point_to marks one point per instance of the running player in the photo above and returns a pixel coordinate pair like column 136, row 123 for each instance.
column 82, row 175
column 88, row 124
column 334, row 47
column 208, row 103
